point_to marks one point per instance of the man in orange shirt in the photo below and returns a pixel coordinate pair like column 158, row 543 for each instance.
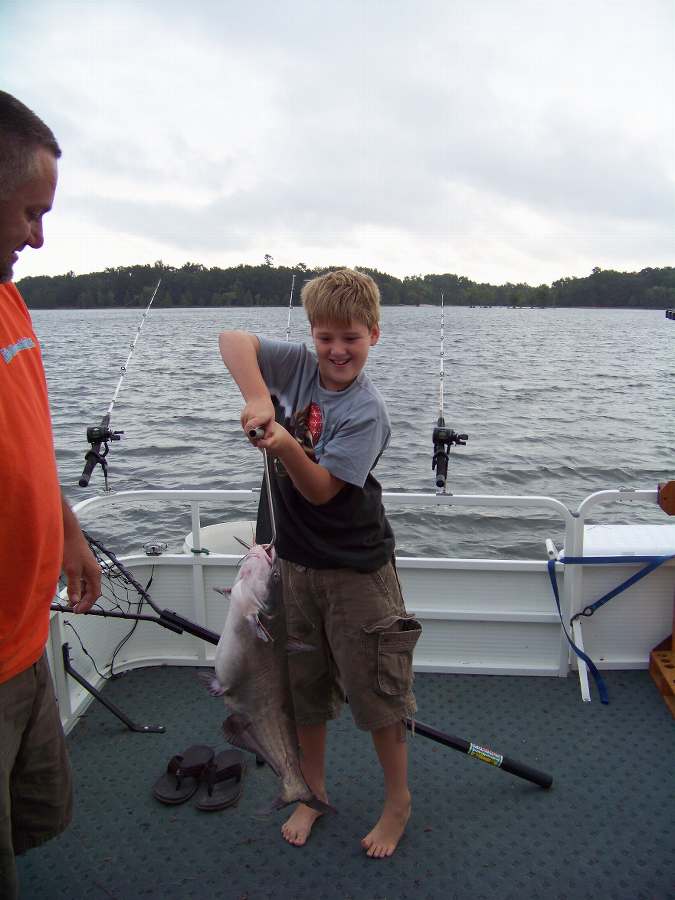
column 39, row 534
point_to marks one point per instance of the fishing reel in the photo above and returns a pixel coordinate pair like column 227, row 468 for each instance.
column 98, row 437
column 444, row 438
column 100, row 434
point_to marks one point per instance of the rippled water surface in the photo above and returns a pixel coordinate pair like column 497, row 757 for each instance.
column 556, row 402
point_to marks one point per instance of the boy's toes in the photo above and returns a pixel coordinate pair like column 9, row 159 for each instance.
column 298, row 827
column 376, row 850
column 293, row 837
column 383, row 839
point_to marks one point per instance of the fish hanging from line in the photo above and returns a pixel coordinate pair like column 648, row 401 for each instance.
column 251, row 674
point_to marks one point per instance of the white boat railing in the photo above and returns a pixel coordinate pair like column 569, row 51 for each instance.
column 572, row 523
column 483, row 615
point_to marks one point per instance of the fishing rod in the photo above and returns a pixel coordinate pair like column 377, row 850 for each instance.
column 259, row 432
column 443, row 437
column 99, row 435
column 290, row 307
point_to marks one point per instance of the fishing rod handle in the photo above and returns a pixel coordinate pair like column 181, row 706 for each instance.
column 543, row 779
column 484, row 754
column 89, row 465
column 440, row 463
column 256, row 432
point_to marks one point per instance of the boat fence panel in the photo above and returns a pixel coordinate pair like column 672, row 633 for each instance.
column 623, row 632
column 478, row 615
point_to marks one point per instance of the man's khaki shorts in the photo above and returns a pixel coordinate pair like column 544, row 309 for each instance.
column 361, row 641
column 35, row 774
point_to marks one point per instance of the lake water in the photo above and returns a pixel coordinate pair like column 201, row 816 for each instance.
column 556, row 402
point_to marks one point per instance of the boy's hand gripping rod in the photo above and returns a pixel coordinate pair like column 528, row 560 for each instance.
column 99, row 435
column 443, row 437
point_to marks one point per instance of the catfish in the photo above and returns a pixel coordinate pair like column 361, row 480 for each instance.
column 251, row 674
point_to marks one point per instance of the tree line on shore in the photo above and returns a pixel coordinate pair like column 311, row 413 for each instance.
column 270, row 285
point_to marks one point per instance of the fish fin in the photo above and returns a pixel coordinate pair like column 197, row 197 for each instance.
column 262, row 632
column 235, row 724
column 237, row 731
column 293, row 646
column 243, row 543
column 223, row 591
column 209, row 680
column 259, row 629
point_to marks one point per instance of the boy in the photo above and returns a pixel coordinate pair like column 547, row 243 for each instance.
column 341, row 591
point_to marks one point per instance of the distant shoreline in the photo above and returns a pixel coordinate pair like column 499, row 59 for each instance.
column 384, row 305
column 194, row 286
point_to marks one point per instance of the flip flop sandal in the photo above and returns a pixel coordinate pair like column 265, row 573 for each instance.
column 183, row 772
column 222, row 781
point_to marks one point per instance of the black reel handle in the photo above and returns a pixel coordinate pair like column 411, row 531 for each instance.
column 92, row 458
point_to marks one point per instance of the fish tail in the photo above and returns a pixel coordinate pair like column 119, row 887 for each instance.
column 319, row 805
column 309, row 799
column 296, row 790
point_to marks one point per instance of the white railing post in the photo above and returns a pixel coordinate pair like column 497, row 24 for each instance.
column 571, row 592
column 55, row 655
column 198, row 593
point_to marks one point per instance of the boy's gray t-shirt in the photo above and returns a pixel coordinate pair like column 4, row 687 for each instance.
column 344, row 431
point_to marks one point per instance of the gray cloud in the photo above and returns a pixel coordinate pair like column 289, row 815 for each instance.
column 504, row 141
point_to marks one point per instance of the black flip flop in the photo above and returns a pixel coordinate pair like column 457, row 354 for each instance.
column 183, row 772
column 222, row 781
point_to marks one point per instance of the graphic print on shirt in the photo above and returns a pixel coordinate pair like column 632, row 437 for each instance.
column 305, row 426
column 8, row 353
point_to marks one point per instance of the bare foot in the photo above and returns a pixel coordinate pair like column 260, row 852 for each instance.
column 384, row 838
column 297, row 828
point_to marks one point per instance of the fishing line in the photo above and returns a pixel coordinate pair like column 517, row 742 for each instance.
column 100, row 435
column 443, row 437
column 290, row 307
column 259, row 432
column 117, row 600
column 86, row 652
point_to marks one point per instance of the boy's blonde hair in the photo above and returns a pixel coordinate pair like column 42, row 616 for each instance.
column 342, row 297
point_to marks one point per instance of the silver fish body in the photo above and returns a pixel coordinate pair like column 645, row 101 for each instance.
column 251, row 668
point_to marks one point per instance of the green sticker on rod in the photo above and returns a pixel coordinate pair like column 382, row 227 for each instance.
column 485, row 755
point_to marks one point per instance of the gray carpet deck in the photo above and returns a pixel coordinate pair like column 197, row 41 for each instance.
column 604, row 830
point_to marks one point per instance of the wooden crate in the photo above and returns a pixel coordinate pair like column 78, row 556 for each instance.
column 662, row 670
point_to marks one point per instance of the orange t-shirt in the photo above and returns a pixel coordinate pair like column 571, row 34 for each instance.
column 31, row 518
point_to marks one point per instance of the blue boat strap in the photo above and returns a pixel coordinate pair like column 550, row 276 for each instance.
column 592, row 668
column 652, row 562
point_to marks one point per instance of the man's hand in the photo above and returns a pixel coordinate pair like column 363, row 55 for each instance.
column 83, row 573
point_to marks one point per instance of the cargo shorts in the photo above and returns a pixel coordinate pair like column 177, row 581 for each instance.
column 358, row 643
column 35, row 774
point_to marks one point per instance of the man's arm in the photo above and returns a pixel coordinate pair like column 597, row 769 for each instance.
column 83, row 573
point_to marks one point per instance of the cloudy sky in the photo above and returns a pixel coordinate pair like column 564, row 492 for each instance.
column 504, row 140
